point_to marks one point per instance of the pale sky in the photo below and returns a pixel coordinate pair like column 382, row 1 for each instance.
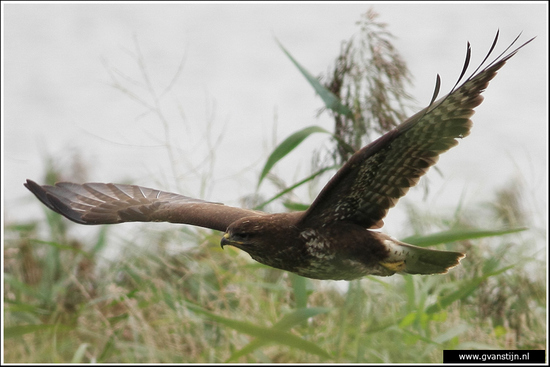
column 235, row 82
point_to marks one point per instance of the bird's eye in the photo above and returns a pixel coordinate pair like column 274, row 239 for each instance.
column 243, row 236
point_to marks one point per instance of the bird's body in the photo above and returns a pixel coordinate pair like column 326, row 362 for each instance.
column 334, row 238
column 312, row 252
column 339, row 250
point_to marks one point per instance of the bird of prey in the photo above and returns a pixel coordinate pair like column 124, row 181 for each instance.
column 334, row 237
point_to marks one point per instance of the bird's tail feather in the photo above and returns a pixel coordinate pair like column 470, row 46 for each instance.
column 427, row 261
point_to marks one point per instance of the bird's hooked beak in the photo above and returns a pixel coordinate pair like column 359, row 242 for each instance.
column 226, row 240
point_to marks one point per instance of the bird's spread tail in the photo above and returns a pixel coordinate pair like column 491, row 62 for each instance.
column 417, row 260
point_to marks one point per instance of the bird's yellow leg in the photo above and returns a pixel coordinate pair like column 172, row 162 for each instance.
column 396, row 266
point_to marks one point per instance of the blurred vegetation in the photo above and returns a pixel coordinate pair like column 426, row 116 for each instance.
column 369, row 78
column 363, row 92
column 66, row 302
column 208, row 305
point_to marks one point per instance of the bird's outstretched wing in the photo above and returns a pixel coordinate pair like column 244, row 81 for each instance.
column 376, row 176
column 99, row 203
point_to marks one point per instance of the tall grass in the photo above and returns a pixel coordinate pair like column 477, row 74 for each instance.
column 64, row 302
column 209, row 305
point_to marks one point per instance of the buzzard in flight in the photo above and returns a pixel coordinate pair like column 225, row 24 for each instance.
column 333, row 239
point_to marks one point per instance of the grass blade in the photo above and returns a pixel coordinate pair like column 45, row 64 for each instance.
column 288, row 145
column 299, row 285
column 457, row 235
column 268, row 334
column 79, row 354
column 18, row 330
column 298, row 207
column 463, row 291
column 285, row 323
column 331, row 101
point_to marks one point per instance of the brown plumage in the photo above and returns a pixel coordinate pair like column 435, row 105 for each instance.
column 333, row 239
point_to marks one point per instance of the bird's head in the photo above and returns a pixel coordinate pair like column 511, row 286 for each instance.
column 245, row 234
column 261, row 234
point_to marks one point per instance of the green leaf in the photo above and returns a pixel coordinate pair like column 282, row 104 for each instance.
column 13, row 306
column 331, row 101
column 18, row 330
column 407, row 320
column 298, row 206
column 299, row 285
column 295, row 207
column 287, row 146
column 457, row 235
column 463, row 291
column 285, row 323
column 268, row 334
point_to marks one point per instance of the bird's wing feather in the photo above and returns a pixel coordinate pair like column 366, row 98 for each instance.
column 376, row 176
column 100, row 203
